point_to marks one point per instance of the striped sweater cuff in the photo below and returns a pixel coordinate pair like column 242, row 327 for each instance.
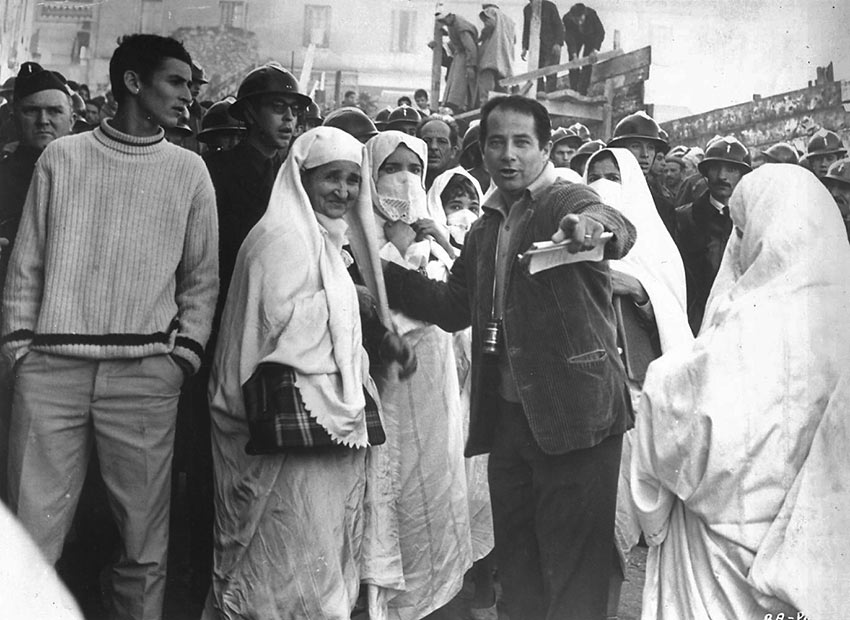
column 190, row 350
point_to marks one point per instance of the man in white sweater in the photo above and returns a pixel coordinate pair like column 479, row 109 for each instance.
column 109, row 298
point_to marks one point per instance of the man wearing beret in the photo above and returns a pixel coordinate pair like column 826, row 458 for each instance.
column 108, row 305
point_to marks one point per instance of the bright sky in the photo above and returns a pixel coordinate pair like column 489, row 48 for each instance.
column 730, row 51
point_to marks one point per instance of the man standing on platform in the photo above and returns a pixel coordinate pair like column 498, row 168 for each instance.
column 583, row 33
column 461, row 82
column 551, row 39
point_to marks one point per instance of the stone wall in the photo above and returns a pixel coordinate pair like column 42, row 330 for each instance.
column 790, row 117
column 226, row 54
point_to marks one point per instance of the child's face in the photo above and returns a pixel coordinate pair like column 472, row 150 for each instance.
column 459, row 201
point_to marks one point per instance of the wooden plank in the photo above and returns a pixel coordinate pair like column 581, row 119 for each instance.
column 534, row 42
column 436, row 64
column 582, row 111
column 575, row 64
column 568, row 94
column 624, row 63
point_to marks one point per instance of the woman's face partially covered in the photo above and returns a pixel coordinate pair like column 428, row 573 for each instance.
column 603, row 168
column 333, row 187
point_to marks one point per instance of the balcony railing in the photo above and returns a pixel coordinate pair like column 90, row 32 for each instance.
column 58, row 10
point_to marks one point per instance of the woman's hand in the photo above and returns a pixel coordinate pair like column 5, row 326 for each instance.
column 427, row 228
column 394, row 348
column 400, row 234
column 624, row 284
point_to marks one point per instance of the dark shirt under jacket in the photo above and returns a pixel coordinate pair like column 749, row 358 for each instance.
column 702, row 233
column 559, row 325
column 16, row 171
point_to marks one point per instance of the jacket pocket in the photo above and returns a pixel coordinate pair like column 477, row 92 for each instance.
column 590, row 357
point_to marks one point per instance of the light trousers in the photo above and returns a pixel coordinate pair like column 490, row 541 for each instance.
column 127, row 410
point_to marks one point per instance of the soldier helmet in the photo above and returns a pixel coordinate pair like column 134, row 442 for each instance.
column 781, row 153
column 825, row 142
column 270, row 79
column 353, row 121
column 839, row 172
column 581, row 131
column 583, row 153
column 402, row 116
column 638, row 126
column 381, row 118
column 565, row 134
column 218, row 119
column 314, row 113
column 729, row 150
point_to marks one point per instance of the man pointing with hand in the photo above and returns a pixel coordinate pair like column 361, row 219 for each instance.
column 549, row 401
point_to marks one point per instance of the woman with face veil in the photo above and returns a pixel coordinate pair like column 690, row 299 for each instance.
column 740, row 486
column 301, row 510
column 423, row 417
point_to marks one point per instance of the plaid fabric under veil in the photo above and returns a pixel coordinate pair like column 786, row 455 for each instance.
column 278, row 420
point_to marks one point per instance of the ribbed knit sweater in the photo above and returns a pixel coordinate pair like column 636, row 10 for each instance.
column 117, row 252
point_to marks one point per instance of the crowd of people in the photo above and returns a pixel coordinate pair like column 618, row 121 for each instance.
column 401, row 358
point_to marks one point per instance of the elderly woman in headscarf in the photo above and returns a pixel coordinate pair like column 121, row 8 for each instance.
column 294, row 411
column 740, row 486
column 423, row 417
column 649, row 285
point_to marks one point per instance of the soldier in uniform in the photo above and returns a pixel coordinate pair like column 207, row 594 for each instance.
column 704, row 226
column 824, row 149
column 269, row 102
column 565, row 143
column 640, row 134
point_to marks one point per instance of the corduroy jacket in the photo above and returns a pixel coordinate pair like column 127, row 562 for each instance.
column 559, row 325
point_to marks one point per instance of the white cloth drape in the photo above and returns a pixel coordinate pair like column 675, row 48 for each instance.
column 727, row 466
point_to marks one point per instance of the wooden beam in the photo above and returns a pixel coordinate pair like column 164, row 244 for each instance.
column 567, row 94
column 436, row 64
column 534, row 43
column 624, row 63
column 575, row 64
column 581, row 111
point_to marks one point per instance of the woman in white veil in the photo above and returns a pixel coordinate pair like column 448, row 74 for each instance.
column 423, row 417
column 740, row 487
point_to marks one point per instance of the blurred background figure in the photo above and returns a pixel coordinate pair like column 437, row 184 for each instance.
column 583, row 33
column 219, row 130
